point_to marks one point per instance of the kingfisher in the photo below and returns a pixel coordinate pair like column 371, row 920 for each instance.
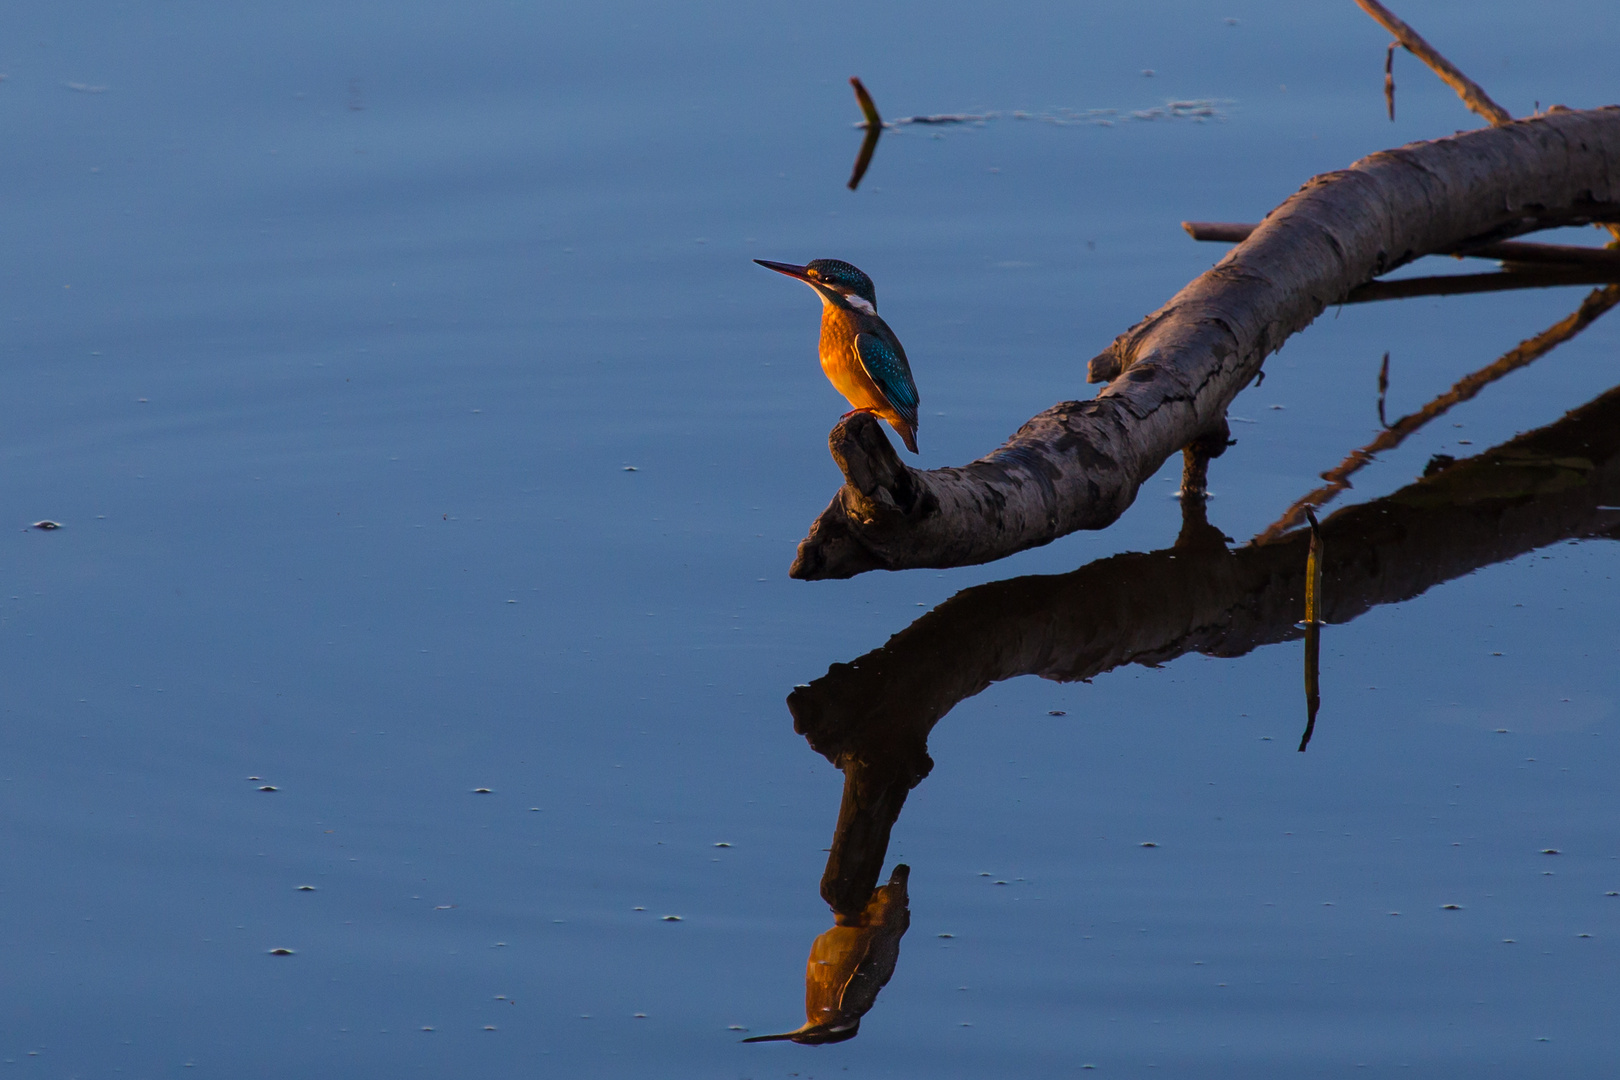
column 859, row 353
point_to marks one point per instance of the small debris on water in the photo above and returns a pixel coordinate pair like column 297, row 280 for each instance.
column 306, row 888
column 426, row 1027
column 1056, row 712
column 631, row 468
column 269, row 787
column 47, row 525
column 281, row 952
column 489, row 1027
column 1450, row 907
column 482, row 791
column 947, row 935
column 639, row 1016
column 735, row 1027
column 672, row 918
column 1149, row 843
column 722, row 843
column 1551, row 851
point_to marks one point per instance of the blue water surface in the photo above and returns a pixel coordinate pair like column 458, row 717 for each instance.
column 418, row 424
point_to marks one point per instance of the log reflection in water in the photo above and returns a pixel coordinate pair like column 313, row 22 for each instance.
column 1526, row 352
column 871, row 718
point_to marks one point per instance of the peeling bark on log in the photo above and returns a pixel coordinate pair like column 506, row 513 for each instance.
column 1078, row 465
column 872, row 717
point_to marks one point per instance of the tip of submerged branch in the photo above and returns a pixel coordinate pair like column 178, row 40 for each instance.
column 868, row 106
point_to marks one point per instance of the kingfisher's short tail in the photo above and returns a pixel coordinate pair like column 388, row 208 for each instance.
column 908, row 434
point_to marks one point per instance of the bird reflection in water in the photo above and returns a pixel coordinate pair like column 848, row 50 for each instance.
column 850, row 963
column 872, row 717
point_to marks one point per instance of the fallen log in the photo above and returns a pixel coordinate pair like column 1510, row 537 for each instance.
column 1079, row 464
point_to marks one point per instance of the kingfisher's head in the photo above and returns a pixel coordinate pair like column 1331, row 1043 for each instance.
column 834, row 279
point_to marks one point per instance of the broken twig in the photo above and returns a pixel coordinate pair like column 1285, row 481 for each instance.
column 1467, row 89
column 1383, row 387
column 1389, row 79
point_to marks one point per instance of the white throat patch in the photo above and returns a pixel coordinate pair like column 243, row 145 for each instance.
column 859, row 304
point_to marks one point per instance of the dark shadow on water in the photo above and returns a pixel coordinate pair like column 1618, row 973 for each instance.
column 872, row 717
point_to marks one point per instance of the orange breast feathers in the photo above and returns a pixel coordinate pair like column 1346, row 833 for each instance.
column 843, row 367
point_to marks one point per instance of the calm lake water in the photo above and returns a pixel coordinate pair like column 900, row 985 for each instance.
column 333, row 335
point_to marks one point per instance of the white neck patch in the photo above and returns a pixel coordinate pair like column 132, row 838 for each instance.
column 859, row 303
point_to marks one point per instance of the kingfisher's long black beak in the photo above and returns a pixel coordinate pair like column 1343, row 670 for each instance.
column 800, row 272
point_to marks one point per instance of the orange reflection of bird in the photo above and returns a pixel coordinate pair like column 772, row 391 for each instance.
column 859, row 353
column 849, row 964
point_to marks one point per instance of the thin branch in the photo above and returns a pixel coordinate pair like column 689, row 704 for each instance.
column 1338, row 478
column 1541, row 277
column 1511, row 251
column 1467, row 89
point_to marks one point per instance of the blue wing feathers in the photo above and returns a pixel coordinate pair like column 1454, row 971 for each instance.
column 887, row 367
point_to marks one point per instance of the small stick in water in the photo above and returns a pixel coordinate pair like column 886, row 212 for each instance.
column 874, row 130
column 1313, row 630
column 1313, row 572
column 865, row 101
column 1383, row 385
column 1389, row 79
